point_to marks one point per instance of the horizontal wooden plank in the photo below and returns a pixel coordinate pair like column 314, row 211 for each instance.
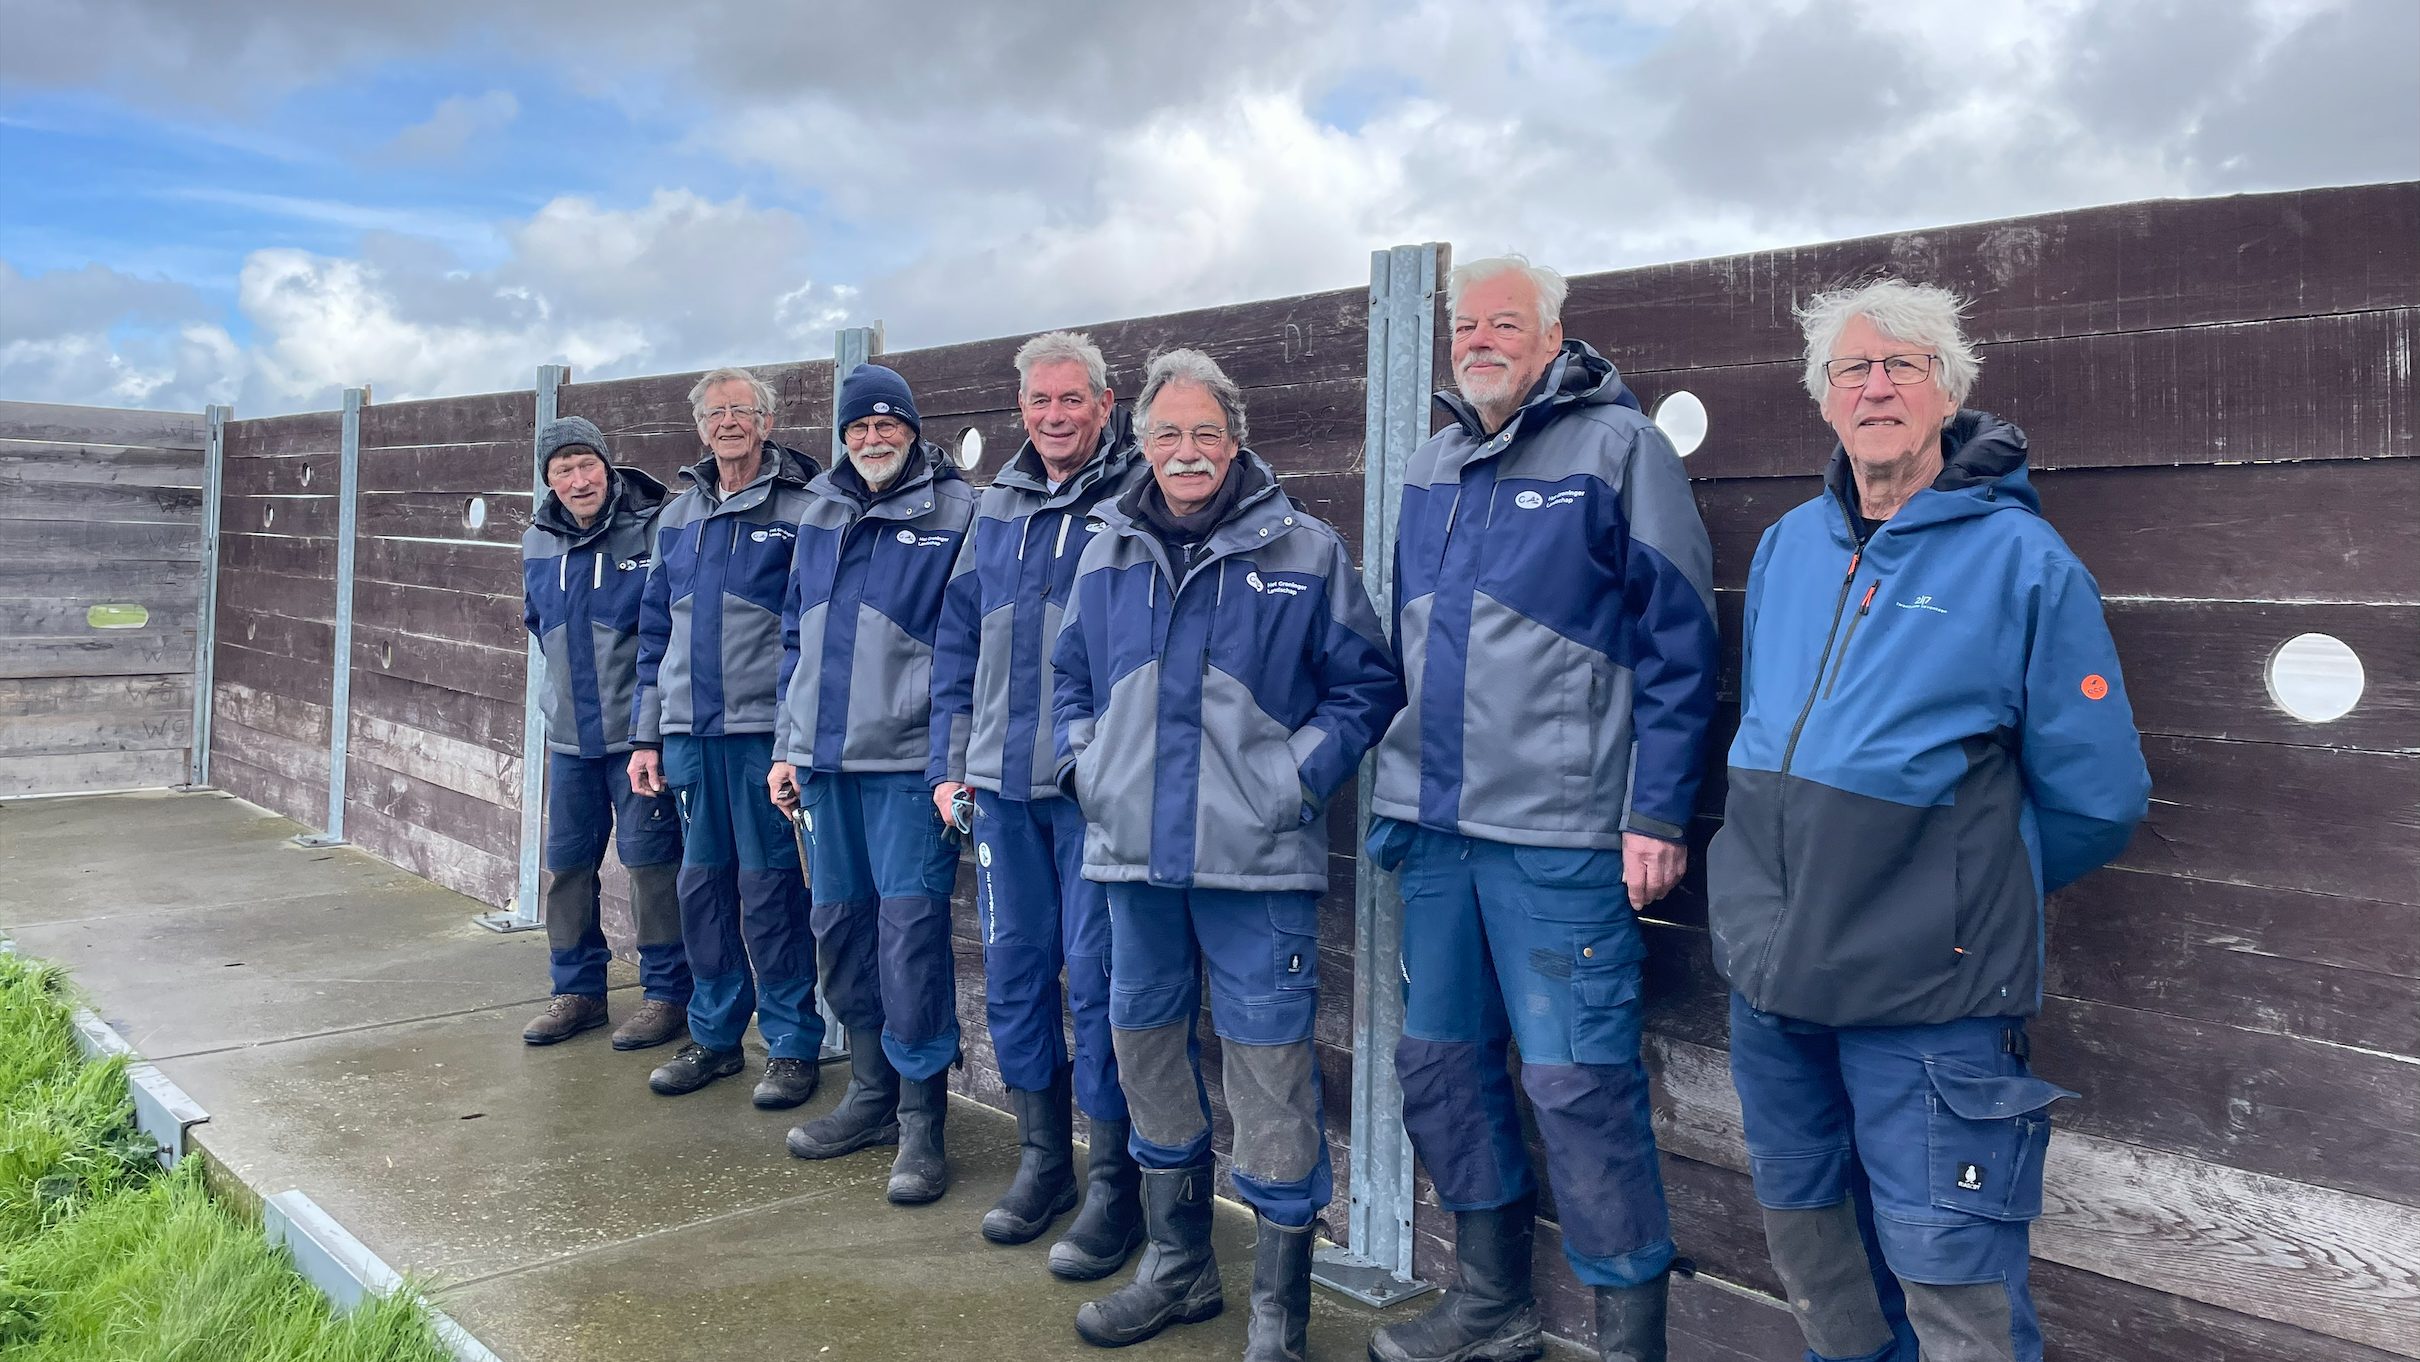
column 74, row 697
column 54, row 423
column 302, row 433
column 99, row 581
column 156, row 726
column 303, row 803
column 467, row 870
column 492, row 469
column 437, row 612
column 241, row 553
column 270, row 627
column 445, row 515
column 53, row 543
column 315, row 474
column 489, row 569
column 307, row 517
column 301, row 719
column 417, row 803
column 70, row 615
column 492, row 724
column 148, row 652
column 2201, row 669
column 97, row 465
column 305, row 763
column 2130, row 267
column 2255, row 813
column 100, row 503
column 465, row 768
column 73, row 772
column 471, row 418
column 495, row 673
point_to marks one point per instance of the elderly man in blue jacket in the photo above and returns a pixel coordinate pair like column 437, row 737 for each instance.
column 1933, row 734
column 1220, row 674
column 991, row 733
column 584, row 563
column 709, row 650
column 1554, row 611
column 875, row 547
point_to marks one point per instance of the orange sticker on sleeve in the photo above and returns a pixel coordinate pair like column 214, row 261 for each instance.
column 2096, row 687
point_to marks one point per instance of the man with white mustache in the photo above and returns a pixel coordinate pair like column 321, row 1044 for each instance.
column 1554, row 613
column 875, row 549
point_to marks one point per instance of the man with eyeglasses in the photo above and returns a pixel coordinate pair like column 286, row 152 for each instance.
column 1933, row 734
column 875, row 548
column 709, row 655
column 1554, row 611
column 991, row 732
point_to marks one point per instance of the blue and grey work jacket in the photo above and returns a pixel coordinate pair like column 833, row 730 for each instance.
column 580, row 590
column 857, row 622
column 1203, row 722
column 710, row 623
column 1554, row 609
column 1933, row 733
column 991, row 662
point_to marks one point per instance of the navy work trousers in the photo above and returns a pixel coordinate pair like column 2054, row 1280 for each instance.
column 743, row 903
column 882, row 874
column 1534, row 946
column 1039, row 916
column 589, row 802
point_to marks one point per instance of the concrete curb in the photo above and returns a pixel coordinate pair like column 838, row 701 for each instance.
column 162, row 1110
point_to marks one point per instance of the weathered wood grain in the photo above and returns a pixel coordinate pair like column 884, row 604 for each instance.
column 465, row 869
column 241, row 553
column 69, row 616
column 267, row 789
column 465, row 768
column 87, row 464
column 419, row 804
column 295, row 475
column 42, row 544
column 92, row 653
column 303, row 433
column 495, row 673
column 445, row 515
column 494, row 469
column 473, row 417
column 54, row 423
column 76, row 772
column 436, row 612
column 482, row 569
column 300, row 720
column 135, row 580
column 2255, row 813
column 494, row 725
column 151, row 722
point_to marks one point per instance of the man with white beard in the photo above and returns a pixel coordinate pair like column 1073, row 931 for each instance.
column 875, row 549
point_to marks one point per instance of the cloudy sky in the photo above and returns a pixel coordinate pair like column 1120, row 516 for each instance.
column 259, row 203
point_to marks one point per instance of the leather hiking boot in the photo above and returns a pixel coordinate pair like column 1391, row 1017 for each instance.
column 1177, row 1281
column 921, row 1172
column 1045, row 1186
column 692, row 1068
column 1630, row 1319
column 1491, row 1314
column 1110, row 1227
column 566, row 1015
column 868, row 1113
column 655, row 1022
column 1281, row 1292
column 787, row 1083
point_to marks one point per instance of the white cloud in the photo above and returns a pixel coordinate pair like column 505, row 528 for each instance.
column 451, row 127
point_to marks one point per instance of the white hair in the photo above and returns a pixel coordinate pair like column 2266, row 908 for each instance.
column 1198, row 369
column 1549, row 286
column 1063, row 347
column 761, row 391
column 1922, row 315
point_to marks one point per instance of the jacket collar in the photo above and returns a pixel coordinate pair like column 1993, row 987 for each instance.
column 1259, row 518
column 1115, row 453
column 1983, row 470
column 634, row 494
column 781, row 466
column 1577, row 377
column 927, row 466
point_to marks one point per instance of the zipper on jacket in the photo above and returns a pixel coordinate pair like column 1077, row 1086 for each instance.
column 1059, row 550
column 563, row 574
column 599, row 583
column 1839, row 607
column 1841, row 662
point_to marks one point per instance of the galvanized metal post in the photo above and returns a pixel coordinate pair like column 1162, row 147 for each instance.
column 851, row 346
column 522, row 916
column 205, row 627
column 340, row 693
column 1375, row 1266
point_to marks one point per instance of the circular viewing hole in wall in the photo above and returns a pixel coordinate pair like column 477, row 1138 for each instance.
column 970, row 448
column 2316, row 677
column 268, row 514
column 474, row 513
column 1682, row 418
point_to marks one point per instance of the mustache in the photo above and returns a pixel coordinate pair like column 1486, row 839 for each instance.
column 878, row 453
column 1190, row 465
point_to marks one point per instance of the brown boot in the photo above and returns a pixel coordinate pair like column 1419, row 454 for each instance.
column 654, row 1023
column 567, row 1016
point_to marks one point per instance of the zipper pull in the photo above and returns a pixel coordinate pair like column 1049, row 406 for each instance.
column 1868, row 602
column 1856, row 556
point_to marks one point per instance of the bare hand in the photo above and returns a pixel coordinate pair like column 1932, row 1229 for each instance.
column 647, row 771
column 1651, row 866
column 945, row 794
column 781, row 783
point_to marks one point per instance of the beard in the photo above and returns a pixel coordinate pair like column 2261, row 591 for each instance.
column 1486, row 387
column 878, row 464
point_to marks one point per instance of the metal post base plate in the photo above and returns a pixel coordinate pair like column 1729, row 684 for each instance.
column 1338, row 1270
column 506, row 920
column 319, row 839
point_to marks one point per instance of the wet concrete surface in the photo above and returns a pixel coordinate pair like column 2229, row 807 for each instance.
column 352, row 1033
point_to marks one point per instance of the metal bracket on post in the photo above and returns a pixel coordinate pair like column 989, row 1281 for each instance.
column 1375, row 1265
column 523, row 916
column 340, row 693
column 205, row 628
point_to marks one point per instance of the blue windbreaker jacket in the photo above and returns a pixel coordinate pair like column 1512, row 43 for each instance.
column 1202, row 724
column 580, row 590
column 991, row 661
column 710, row 622
column 857, row 623
column 1554, row 610
column 1934, row 732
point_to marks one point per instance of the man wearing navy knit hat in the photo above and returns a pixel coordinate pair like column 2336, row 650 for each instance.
column 876, row 544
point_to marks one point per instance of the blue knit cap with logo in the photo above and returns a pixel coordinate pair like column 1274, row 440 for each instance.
column 871, row 390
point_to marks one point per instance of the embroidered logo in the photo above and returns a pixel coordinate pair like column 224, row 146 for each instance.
column 771, row 532
column 2096, row 687
column 1922, row 603
column 1252, row 580
column 882, row 409
column 1533, row 500
column 1529, row 501
column 1277, row 586
column 907, row 536
column 983, row 855
column 633, row 564
column 1970, row 1177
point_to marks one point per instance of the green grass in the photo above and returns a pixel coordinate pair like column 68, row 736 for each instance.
column 104, row 1258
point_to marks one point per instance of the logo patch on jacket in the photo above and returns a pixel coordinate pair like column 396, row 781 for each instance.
column 1922, row 603
column 1970, row 1177
column 1531, row 501
column 1274, row 585
column 913, row 540
column 2096, row 687
column 634, row 564
column 772, row 532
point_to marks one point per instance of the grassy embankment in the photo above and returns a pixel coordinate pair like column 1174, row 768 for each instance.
column 104, row 1258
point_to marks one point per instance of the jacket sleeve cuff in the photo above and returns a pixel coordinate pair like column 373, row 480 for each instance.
column 1654, row 827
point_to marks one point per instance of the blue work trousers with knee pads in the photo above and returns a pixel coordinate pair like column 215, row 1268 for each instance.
column 882, row 874
column 1534, row 946
column 743, row 902
column 1261, row 952
column 588, row 803
column 1935, row 1132
column 1039, row 916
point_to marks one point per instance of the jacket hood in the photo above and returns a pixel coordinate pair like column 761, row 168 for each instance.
column 1983, row 470
column 791, row 467
column 1577, row 377
column 1115, row 453
column 634, row 492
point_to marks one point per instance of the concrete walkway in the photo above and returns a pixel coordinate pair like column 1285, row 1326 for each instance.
column 353, row 1034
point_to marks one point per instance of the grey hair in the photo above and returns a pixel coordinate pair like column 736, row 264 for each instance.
column 1923, row 315
column 1198, row 369
column 1063, row 347
column 763, row 392
column 1551, row 288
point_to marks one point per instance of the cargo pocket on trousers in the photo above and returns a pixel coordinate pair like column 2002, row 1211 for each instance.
column 1605, row 1010
column 1295, row 964
column 1985, row 1136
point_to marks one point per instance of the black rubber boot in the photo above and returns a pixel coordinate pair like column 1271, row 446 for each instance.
column 1491, row 1314
column 921, row 1173
column 868, row 1113
column 1630, row 1320
column 1177, row 1281
column 1045, row 1186
column 1281, row 1292
column 1110, row 1227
